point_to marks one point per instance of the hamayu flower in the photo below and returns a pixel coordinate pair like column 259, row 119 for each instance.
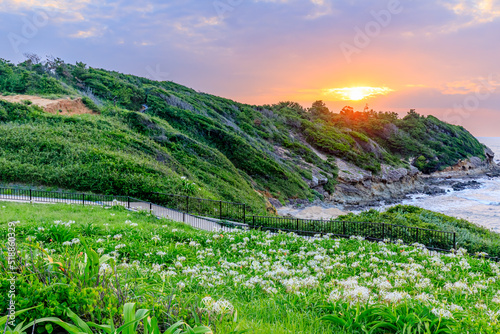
column 442, row 313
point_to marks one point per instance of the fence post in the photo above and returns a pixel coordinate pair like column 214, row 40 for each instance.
column 253, row 221
column 383, row 231
column 31, row 198
column 220, row 210
column 343, row 228
column 244, row 213
column 417, row 236
column 187, row 204
column 128, row 202
column 454, row 240
column 150, row 206
column 297, row 224
column 83, row 199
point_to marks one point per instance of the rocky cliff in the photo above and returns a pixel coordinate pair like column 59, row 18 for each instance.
column 360, row 187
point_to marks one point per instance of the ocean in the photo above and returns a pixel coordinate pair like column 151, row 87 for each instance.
column 480, row 206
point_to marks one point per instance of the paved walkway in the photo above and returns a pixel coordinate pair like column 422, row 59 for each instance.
column 202, row 223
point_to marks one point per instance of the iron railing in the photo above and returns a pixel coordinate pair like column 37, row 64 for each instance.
column 195, row 211
column 432, row 239
column 200, row 206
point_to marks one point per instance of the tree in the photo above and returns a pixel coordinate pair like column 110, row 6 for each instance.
column 319, row 109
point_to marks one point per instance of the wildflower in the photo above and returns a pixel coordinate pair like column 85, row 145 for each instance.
column 222, row 306
column 181, row 285
column 117, row 247
column 155, row 238
column 117, row 236
column 442, row 313
column 75, row 241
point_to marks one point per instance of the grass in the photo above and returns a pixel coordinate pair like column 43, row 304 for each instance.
column 274, row 284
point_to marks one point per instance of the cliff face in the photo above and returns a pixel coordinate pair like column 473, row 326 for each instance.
column 360, row 187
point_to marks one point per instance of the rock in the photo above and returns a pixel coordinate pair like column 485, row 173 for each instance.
column 314, row 182
column 350, row 173
column 490, row 155
column 390, row 174
column 413, row 171
column 277, row 204
column 432, row 190
column 459, row 186
column 322, row 181
column 475, row 162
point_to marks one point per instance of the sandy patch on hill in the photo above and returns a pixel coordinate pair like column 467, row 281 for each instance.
column 61, row 106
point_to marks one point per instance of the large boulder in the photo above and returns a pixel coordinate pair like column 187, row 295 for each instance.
column 390, row 174
column 489, row 155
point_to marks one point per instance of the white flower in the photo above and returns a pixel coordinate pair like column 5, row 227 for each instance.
column 442, row 313
column 222, row 306
column 75, row 241
column 181, row 285
column 67, row 243
column 117, row 247
column 156, row 238
column 117, row 236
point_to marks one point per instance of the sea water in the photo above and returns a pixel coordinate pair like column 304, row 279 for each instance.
column 480, row 206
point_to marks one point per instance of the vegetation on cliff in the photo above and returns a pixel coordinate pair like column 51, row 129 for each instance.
column 226, row 150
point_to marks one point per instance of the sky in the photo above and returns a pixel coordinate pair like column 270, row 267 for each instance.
column 438, row 57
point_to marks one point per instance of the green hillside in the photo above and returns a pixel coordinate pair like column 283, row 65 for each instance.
column 224, row 149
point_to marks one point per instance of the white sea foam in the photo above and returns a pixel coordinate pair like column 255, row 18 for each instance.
column 480, row 206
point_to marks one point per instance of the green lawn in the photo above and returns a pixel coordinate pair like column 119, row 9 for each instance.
column 256, row 281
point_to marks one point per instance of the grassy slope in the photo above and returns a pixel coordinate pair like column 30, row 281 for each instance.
column 472, row 237
column 294, row 310
column 226, row 148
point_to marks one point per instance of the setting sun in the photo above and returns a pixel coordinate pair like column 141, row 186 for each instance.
column 356, row 93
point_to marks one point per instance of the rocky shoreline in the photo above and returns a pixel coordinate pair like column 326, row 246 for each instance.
column 359, row 189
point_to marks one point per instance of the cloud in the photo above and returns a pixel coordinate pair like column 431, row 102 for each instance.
column 478, row 85
column 90, row 33
column 473, row 12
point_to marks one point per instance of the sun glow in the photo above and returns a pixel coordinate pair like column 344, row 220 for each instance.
column 356, row 93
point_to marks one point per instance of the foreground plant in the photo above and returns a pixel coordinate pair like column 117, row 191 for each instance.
column 131, row 318
column 379, row 318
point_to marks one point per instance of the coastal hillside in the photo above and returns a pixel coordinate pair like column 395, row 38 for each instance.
column 109, row 132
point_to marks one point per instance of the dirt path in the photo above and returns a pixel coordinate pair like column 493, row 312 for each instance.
column 60, row 106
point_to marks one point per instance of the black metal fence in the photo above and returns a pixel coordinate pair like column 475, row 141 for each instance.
column 200, row 206
column 233, row 215
column 432, row 239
